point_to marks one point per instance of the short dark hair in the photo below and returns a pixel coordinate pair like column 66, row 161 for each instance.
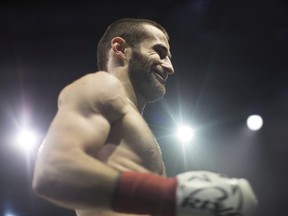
column 130, row 29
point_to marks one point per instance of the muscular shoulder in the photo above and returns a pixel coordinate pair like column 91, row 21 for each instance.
column 94, row 93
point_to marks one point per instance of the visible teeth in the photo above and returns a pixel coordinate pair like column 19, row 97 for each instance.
column 160, row 78
column 159, row 74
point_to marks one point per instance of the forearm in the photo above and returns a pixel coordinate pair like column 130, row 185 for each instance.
column 82, row 183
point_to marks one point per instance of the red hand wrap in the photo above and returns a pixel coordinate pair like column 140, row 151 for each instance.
column 143, row 193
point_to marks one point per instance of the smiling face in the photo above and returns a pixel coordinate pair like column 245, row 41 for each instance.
column 150, row 65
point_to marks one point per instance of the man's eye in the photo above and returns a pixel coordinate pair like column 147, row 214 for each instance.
column 161, row 53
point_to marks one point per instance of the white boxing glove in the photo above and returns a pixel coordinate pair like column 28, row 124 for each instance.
column 204, row 193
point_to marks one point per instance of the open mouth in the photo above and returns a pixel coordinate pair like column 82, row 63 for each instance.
column 161, row 77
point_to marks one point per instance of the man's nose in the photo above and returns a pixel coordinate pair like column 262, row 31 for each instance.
column 168, row 67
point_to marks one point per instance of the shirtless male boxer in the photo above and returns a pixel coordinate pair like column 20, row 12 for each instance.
column 99, row 157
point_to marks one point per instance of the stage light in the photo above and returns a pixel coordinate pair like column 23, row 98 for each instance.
column 26, row 139
column 185, row 133
column 9, row 214
column 254, row 122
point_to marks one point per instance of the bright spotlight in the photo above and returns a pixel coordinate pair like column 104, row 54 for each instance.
column 26, row 139
column 254, row 122
column 185, row 133
column 9, row 214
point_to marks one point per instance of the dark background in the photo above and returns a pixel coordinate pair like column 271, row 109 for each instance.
column 230, row 59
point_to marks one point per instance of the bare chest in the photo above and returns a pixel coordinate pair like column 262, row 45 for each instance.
column 132, row 146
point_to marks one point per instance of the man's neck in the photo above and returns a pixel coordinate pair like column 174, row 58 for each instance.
column 136, row 100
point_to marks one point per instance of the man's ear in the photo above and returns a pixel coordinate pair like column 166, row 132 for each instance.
column 118, row 46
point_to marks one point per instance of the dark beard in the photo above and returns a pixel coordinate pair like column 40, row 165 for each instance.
column 143, row 79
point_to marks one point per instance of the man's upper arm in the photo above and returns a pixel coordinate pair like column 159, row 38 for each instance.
column 86, row 109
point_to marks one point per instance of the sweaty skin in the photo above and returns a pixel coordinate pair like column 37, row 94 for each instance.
column 98, row 133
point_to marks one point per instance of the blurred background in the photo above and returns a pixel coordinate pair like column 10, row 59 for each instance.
column 231, row 62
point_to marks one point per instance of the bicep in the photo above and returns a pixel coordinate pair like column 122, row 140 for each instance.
column 71, row 129
column 87, row 108
column 65, row 172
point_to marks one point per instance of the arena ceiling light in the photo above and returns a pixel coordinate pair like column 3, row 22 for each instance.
column 26, row 139
column 185, row 133
column 9, row 214
column 254, row 122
